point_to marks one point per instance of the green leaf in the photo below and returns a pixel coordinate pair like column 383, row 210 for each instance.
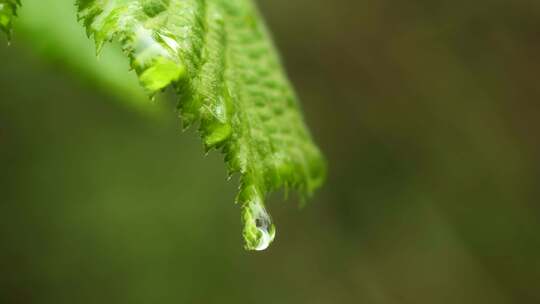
column 218, row 56
column 8, row 11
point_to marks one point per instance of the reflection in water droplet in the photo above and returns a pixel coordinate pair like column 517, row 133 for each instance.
column 263, row 223
column 146, row 47
column 170, row 42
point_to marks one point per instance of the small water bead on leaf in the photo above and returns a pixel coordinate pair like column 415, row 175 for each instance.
column 156, row 59
column 169, row 41
column 160, row 74
column 259, row 230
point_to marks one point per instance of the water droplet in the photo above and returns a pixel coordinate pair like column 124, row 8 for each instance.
column 259, row 229
column 170, row 41
column 146, row 47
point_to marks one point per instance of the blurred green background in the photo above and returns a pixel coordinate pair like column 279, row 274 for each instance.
column 426, row 110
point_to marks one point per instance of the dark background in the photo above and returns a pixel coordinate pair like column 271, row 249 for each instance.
column 426, row 110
